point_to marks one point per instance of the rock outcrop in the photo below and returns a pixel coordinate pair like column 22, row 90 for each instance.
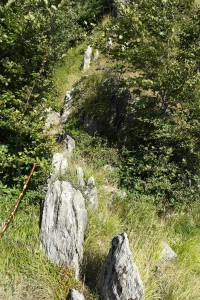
column 119, row 278
column 69, row 144
column 80, row 177
column 87, row 57
column 75, row 295
column 63, row 224
column 91, row 193
column 59, row 163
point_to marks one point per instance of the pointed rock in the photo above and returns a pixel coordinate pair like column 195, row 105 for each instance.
column 92, row 193
column 59, row 163
column 87, row 57
column 70, row 145
column 168, row 254
column 63, row 225
column 119, row 278
column 80, row 177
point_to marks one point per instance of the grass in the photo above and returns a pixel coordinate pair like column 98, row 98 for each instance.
column 27, row 275
column 24, row 270
column 146, row 231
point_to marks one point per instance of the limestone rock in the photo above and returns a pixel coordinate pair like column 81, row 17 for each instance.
column 66, row 111
column 91, row 193
column 53, row 122
column 119, row 278
column 96, row 55
column 114, row 191
column 75, row 295
column 70, row 145
column 167, row 253
column 87, row 58
column 59, row 163
column 63, row 224
column 80, row 177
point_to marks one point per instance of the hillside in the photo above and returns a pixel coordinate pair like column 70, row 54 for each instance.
column 134, row 117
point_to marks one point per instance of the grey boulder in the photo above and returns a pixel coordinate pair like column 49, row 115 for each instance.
column 63, row 225
column 119, row 278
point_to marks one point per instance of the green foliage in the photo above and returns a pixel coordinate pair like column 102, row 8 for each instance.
column 150, row 44
column 34, row 35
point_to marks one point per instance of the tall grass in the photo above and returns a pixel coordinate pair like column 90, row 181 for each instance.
column 25, row 272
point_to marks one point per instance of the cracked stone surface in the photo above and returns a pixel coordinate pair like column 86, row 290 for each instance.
column 63, row 225
column 59, row 163
column 119, row 278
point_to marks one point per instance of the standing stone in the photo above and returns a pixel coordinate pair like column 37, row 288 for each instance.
column 70, row 145
column 87, row 58
column 92, row 193
column 63, row 224
column 96, row 55
column 59, row 163
column 80, row 177
column 119, row 278
column 66, row 111
column 75, row 295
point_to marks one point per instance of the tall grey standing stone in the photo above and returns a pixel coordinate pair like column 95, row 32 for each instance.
column 70, row 145
column 80, row 177
column 91, row 193
column 59, row 163
column 75, row 295
column 63, row 225
column 87, row 58
column 119, row 278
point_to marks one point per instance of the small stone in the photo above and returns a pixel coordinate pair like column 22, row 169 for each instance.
column 91, row 182
column 119, row 278
column 91, row 193
column 168, row 254
column 75, row 295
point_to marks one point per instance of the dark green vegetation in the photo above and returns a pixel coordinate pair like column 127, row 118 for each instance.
column 156, row 54
column 144, row 95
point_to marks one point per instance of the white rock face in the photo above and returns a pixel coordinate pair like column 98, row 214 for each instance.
column 119, row 278
column 63, row 225
column 59, row 163
column 87, row 58
column 75, row 295
column 80, row 177
column 91, row 193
